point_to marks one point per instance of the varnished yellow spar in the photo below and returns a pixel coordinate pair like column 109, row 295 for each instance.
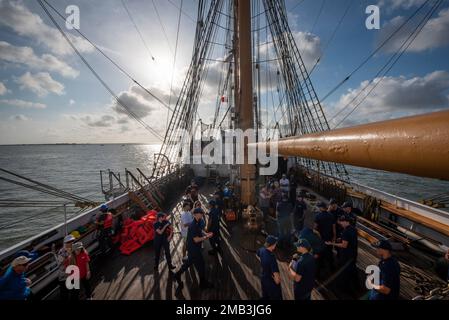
column 417, row 145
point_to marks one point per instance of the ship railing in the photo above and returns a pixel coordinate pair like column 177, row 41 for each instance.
column 114, row 183
column 42, row 267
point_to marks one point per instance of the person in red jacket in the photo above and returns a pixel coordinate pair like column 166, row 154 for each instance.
column 104, row 226
column 82, row 260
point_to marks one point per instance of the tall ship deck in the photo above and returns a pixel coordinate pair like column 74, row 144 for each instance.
column 291, row 135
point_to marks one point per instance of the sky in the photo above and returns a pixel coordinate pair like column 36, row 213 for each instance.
column 47, row 95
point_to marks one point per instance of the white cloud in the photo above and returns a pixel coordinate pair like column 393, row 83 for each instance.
column 93, row 120
column 40, row 83
column 3, row 89
column 397, row 96
column 20, row 117
column 101, row 122
column 23, row 104
column 15, row 15
column 309, row 45
column 72, row 102
column 140, row 102
column 26, row 56
column 397, row 4
column 435, row 33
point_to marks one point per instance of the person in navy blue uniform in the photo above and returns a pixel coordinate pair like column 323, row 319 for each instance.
column 298, row 213
column 352, row 212
column 284, row 210
column 218, row 198
column 292, row 190
column 270, row 277
column 195, row 237
column 302, row 271
column 390, row 274
column 336, row 211
column 325, row 225
column 214, row 227
column 347, row 258
column 162, row 237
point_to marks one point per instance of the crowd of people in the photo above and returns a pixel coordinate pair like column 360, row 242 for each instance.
column 194, row 231
column 329, row 245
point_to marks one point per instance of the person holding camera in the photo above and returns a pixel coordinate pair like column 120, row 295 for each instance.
column 302, row 270
column 162, row 236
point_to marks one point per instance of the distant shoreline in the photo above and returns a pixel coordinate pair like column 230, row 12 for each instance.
column 76, row 144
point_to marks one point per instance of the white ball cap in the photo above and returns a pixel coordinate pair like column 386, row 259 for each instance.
column 69, row 238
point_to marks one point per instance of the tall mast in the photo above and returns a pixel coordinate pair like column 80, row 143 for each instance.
column 244, row 103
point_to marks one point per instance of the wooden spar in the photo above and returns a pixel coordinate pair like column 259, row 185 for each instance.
column 245, row 102
column 417, row 145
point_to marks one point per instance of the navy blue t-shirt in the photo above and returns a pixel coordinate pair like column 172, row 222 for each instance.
column 220, row 204
column 159, row 225
column 325, row 222
column 268, row 263
column 349, row 234
column 390, row 272
column 214, row 216
column 284, row 209
column 195, row 230
column 300, row 207
column 306, row 268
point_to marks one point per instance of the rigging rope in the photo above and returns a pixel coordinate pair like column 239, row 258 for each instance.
column 137, row 29
column 115, row 64
column 365, row 61
column 174, row 61
column 323, row 3
column 120, row 103
column 162, row 26
column 393, row 60
column 297, row 5
column 183, row 12
column 345, row 13
column 33, row 216
column 46, row 188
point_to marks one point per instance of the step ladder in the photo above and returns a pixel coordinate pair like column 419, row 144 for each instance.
column 142, row 196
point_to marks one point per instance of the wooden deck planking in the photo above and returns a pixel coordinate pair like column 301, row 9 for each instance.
column 235, row 275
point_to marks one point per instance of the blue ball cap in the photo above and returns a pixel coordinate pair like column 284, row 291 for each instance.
column 212, row 202
column 383, row 244
column 104, row 208
column 270, row 240
column 198, row 210
column 303, row 243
